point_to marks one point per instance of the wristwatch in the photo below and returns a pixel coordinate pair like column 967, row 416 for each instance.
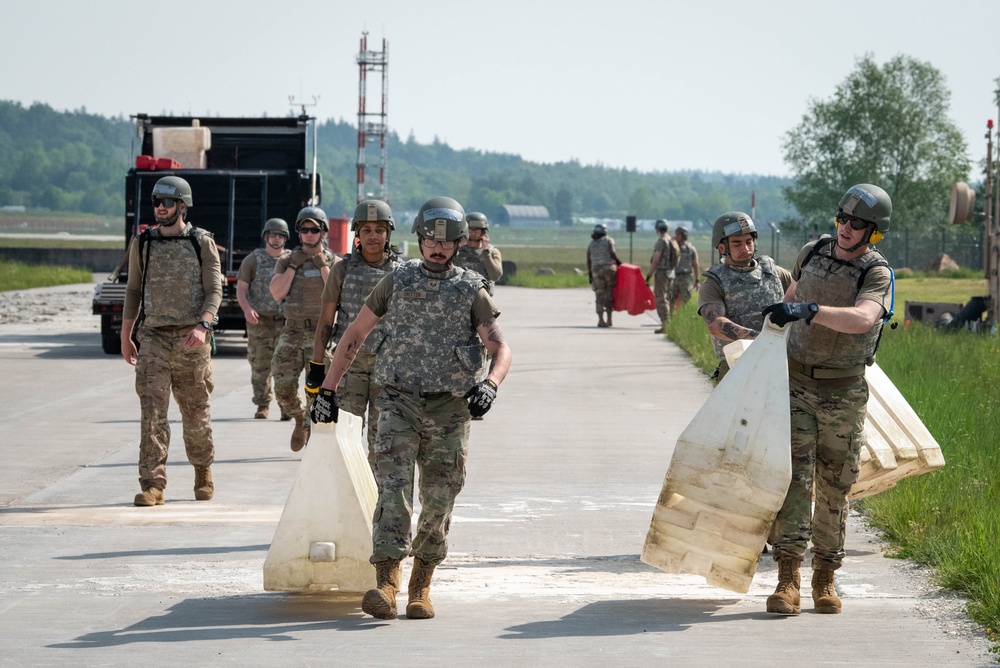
column 206, row 324
column 813, row 310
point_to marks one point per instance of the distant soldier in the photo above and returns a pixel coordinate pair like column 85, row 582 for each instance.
column 478, row 255
column 661, row 269
column 688, row 272
column 262, row 313
column 298, row 283
column 173, row 295
column 602, row 270
column 348, row 285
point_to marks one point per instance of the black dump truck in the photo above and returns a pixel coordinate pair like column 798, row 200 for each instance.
column 242, row 172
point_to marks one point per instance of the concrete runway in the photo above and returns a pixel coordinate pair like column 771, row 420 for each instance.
column 544, row 550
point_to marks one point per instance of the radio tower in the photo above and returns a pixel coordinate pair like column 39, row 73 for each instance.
column 372, row 126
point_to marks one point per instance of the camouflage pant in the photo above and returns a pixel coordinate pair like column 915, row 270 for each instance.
column 663, row 285
column 827, row 419
column 164, row 364
column 294, row 349
column 262, row 339
column 429, row 433
column 682, row 289
column 605, row 279
column 357, row 394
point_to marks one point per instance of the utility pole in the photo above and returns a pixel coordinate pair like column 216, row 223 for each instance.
column 371, row 125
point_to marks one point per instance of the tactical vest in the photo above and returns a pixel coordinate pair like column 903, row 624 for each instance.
column 832, row 282
column 430, row 343
column 259, row 293
column 359, row 281
column 472, row 259
column 600, row 252
column 303, row 298
column 666, row 256
column 747, row 293
column 685, row 265
column 172, row 291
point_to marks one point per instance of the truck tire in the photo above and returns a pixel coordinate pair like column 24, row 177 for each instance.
column 111, row 340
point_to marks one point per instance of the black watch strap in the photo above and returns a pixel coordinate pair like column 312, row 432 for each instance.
column 206, row 324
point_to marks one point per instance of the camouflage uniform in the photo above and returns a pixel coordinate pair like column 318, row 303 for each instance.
column 744, row 294
column 684, row 281
column 663, row 278
column 431, row 355
column 604, row 272
column 256, row 270
column 348, row 284
column 174, row 288
column 484, row 261
column 301, row 308
column 828, row 403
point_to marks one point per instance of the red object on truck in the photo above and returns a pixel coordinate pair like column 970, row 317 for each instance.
column 153, row 164
column 631, row 292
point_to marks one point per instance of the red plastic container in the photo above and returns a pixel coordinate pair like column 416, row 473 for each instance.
column 631, row 292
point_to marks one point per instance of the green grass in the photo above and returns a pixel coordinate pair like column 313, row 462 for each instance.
column 20, row 276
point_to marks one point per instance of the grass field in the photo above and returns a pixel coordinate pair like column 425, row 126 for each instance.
column 20, row 276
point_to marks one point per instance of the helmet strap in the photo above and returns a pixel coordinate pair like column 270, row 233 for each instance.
column 174, row 217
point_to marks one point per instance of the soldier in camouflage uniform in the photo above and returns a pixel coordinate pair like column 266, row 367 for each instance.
column 478, row 255
column 602, row 270
column 661, row 269
column 439, row 325
column 739, row 286
column 349, row 283
column 173, row 295
column 297, row 285
column 262, row 313
column 842, row 295
column 687, row 273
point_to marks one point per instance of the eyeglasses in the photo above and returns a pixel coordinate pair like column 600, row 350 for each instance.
column 855, row 223
column 309, row 230
column 165, row 202
column 431, row 243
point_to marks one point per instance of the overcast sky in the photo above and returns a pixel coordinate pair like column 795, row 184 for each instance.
column 643, row 84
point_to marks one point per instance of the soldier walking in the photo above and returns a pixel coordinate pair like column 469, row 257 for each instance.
column 661, row 268
column 477, row 254
column 602, row 270
column 688, row 272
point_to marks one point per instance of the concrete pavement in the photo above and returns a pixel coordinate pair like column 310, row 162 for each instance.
column 544, row 549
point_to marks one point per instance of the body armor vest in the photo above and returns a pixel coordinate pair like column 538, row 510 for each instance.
column 666, row 257
column 685, row 265
column 472, row 259
column 259, row 293
column 172, row 293
column 747, row 293
column 303, row 298
column 359, row 281
column 430, row 343
column 829, row 281
column 600, row 252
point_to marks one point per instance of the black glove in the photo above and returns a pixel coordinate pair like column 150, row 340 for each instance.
column 315, row 377
column 618, row 263
column 590, row 278
column 783, row 313
column 648, row 277
column 325, row 408
column 481, row 397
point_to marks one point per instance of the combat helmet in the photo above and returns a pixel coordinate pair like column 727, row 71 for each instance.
column 662, row 226
column 477, row 221
column 315, row 214
column 372, row 211
column 600, row 229
column 173, row 187
column 732, row 223
column 275, row 226
column 441, row 219
column 871, row 204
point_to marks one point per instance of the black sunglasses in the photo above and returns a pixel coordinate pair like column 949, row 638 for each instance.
column 309, row 230
column 165, row 202
column 855, row 223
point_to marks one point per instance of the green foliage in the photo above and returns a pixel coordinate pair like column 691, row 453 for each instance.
column 20, row 276
column 884, row 125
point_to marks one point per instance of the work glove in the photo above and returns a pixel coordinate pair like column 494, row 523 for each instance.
column 481, row 397
column 297, row 258
column 783, row 313
column 314, row 377
column 618, row 263
column 325, row 408
column 319, row 260
column 590, row 278
column 648, row 277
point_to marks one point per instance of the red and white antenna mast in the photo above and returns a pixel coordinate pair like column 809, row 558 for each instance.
column 372, row 126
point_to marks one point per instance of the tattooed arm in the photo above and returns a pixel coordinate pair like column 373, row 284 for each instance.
column 722, row 327
column 500, row 356
column 350, row 344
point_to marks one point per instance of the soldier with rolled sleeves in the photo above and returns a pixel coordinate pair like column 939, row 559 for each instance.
column 687, row 273
column 602, row 270
column 173, row 295
column 840, row 298
column 738, row 287
column 262, row 312
column 298, row 284
column 348, row 285
column 478, row 254
column 661, row 269
column 440, row 322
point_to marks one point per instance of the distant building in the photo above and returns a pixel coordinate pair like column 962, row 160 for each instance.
column 524, row 215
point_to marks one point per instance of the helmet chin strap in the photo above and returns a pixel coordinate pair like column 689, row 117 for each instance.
column 169, row 222
column 865, row 240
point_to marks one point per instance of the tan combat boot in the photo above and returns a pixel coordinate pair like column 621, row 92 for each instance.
column 261, row 413
column 300, row 435
column 609, row 318
column 600, row 320
column 149, row 497
column 204, row 489
column 825, row 599
column 419, row 606
column 381, row 601
column 785, row 599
